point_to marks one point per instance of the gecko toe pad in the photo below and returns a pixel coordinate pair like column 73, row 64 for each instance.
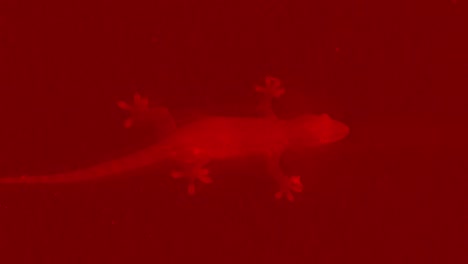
column 295, row 184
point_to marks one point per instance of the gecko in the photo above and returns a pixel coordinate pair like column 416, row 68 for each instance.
column 197, row 144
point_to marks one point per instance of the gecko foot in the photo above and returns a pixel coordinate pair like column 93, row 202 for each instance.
column 138, row 110
column 141, row 113
column 193, row 174
column 288, row 186
column 272, row 90
column 272, row 87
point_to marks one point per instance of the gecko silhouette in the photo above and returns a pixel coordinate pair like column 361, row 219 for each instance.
column 208, row 139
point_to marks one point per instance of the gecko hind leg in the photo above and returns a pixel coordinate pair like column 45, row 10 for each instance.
column 272, row 90
column 193, row 168
column 142, row 113
column 138, row 110
column 287, row 185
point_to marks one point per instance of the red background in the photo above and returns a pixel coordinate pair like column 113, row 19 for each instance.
column 393, row 192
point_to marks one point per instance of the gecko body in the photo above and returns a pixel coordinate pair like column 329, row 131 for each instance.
column 210, row 139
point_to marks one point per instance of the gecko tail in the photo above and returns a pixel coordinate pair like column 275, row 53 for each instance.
column 112, row 168
column 42, row 179
column 60, row 178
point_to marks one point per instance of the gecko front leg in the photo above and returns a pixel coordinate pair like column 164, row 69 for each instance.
column 286, row 184
column 269, row 92
column 193, row 164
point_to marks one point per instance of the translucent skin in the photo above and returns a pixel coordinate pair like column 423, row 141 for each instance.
column 315, row 130
column 210, row 139
column 196, row 145
column 228, row 137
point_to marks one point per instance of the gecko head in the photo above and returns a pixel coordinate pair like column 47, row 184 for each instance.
column 314, row 130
